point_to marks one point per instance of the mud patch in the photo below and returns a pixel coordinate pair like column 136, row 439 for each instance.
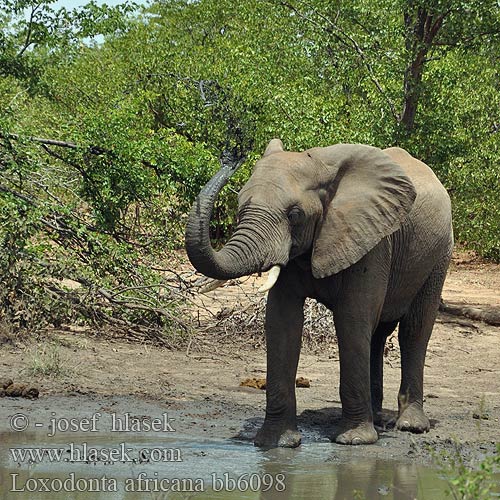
column 194, row 449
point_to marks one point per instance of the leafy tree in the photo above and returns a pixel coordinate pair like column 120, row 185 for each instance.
column 112, row 119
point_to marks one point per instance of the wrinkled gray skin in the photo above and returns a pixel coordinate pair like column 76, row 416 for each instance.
column 364, row 231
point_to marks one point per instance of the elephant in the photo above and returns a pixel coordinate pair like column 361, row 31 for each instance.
column 368, row 233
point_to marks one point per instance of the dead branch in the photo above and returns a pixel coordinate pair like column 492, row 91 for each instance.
column 487, row 314
column 49, row 142
column 98, row 312
column 95, row 150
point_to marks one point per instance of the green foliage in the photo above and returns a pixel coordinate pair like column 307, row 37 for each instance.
column 20, row 296
column 460, row 141
column 33, row 34
column 58, row 265
column 470, row 482
column 147, row 103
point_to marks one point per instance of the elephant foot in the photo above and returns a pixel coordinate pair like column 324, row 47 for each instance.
column 274, row 437
column 413, row 419
column 352, row 433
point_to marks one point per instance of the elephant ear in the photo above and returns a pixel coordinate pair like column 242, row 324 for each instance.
column 369, row 197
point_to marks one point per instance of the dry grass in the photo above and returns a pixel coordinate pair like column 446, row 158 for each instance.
column 236, row 313
column 45, row 360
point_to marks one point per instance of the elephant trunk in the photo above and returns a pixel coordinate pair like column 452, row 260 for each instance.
column 246, row 252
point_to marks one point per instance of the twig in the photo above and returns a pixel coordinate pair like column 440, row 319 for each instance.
column 28, row 41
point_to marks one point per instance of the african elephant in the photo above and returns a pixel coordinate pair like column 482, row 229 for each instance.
column 365, row 231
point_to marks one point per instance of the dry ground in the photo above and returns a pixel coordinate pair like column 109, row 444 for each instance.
column 462, row 378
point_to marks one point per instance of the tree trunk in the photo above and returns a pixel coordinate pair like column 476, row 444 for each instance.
column 421, row 28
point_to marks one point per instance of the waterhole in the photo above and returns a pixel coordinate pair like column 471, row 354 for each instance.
column 120, row 466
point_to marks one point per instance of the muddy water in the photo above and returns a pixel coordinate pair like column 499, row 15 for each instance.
column 52, row 449
column 204, row 469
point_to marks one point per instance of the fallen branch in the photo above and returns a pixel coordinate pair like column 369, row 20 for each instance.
column 113, row 313
column 487, row 314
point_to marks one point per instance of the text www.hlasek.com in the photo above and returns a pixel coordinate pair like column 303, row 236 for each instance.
column 87, row 454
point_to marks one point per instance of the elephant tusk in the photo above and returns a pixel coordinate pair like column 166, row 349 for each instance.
column 271, row 279
column 213, row 285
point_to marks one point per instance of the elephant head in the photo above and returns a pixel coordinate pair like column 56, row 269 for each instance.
column 334, row 203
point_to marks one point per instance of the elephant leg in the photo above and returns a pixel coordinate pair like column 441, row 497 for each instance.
column 356, row 314
column 284, row 322
column 415, row 330
column 379, row 337
column 356, row 426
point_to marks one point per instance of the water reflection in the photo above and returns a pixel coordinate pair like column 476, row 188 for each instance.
column 362, row 479
column 311, row 472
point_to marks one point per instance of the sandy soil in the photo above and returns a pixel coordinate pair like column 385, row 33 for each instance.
column 462, row 379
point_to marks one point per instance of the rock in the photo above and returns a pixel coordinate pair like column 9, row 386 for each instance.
column 5, row 382
column 383, row 490
column 480, row 416
column 302, row 382
column 31, row 393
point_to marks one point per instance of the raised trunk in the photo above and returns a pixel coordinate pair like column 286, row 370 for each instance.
column 242, row 255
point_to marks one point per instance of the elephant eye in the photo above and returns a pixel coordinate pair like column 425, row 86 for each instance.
column 295, row 215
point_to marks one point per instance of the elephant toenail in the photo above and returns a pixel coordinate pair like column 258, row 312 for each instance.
column 357, row 440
